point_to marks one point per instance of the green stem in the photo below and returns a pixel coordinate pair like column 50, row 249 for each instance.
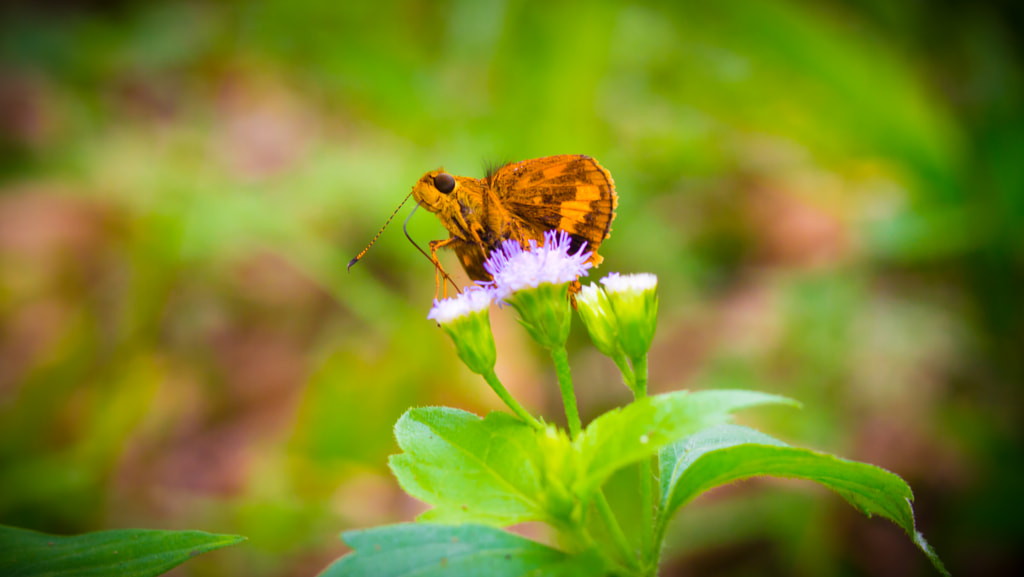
column 618, row 536
column 624, row 368
column 646, row 507
column 640, row 376
column 647, row 502
column 492, row 380
column 579, row 535
column 659, row 537
column 572, row 414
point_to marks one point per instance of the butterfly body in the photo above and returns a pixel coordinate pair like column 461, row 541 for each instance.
column 520, row 201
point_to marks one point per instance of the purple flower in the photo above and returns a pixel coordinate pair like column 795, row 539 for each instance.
column 466, row 319
column 474, row 299
column 514, row 268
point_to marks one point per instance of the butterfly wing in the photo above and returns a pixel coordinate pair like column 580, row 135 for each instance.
column 567, row 192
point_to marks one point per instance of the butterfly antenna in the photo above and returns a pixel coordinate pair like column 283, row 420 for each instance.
column 405, row 229
column 376, row 236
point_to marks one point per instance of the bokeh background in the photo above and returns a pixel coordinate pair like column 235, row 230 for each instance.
column 831, row 193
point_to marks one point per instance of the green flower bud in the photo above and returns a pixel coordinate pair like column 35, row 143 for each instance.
column 466, row 319
column 634, row 298
column 596, row 312
column 544, row 312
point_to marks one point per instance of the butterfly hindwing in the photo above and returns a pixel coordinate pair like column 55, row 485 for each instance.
column 567, row 192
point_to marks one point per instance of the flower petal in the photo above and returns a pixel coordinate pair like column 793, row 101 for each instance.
column 515, row 268
column 473, row 299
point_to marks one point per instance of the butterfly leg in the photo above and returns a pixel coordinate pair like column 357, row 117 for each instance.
column 438, row 269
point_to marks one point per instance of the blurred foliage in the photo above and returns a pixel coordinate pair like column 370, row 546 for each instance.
column 831, row 193
column 135, row 552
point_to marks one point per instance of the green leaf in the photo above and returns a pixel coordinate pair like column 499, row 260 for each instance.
column 124, row 552
column 728, row 453
column 489, row 471
column 498, row 471
column 627, row 435
column 426, row 550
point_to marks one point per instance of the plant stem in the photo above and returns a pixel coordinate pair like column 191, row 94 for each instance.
column 572, row 414
column 624, row 368
column 647, row 508
column 578, row 538
column 659, row 537
column 495, row 383
column 647, row 543
column 605, row 510
column 640, row 376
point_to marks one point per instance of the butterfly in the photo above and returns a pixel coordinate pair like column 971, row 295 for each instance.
column 520, row 201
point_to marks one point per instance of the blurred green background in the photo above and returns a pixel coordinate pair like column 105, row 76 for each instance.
column 831, row 193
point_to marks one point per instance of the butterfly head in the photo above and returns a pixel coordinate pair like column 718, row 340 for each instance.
column 434, row 189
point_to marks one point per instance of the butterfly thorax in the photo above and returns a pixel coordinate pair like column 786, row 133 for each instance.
column 470, row 211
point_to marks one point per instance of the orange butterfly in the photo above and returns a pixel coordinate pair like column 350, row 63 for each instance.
column 521, row 200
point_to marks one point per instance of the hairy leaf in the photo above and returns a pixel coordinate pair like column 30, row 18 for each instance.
column 487, row 471
column 624, row 436
column 728, row 453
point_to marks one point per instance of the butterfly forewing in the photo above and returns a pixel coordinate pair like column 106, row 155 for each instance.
column 567, row 192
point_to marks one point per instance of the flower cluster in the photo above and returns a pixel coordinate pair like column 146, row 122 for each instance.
column 619, row 313
column 534, row 280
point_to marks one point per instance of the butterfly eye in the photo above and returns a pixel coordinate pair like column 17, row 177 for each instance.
column 444, row 182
